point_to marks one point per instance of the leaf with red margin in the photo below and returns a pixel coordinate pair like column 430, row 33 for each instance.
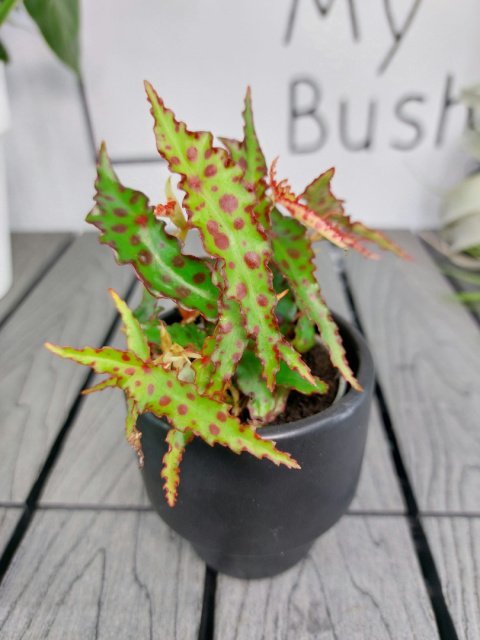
column 282, row 194
column 230, row 343
column 294, row 256
column 177, row 441
column 320, row 199
column 136, row 341
column 221, row 208
column 128, row 225
column 153, row 388
column 379, row 239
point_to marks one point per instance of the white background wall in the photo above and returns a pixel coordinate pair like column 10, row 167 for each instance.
column 400, row 63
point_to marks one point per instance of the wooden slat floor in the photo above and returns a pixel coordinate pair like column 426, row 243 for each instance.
column 84, row 556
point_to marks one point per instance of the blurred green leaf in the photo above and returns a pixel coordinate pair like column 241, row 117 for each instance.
column 3, row 53
column 59, row 22
column 5, row 7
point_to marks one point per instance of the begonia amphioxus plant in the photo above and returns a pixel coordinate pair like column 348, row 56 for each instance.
column 248, row 310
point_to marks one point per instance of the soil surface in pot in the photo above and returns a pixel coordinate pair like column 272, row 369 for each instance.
column 300, row 406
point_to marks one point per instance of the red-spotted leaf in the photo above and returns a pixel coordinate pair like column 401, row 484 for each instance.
column 294, row 256
column 320, row 199
column 153, row 388
column 221, row 207
column 248, row 154
column 230, row 343
column 177, row 441
column 128, row 225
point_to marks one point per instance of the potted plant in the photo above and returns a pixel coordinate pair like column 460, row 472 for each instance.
column 233, row 358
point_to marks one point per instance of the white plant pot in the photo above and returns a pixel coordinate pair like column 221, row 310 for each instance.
column 5, row 247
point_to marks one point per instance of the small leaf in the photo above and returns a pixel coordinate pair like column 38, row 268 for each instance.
column 291, row 379
column 148, row 308
column 177, row 441
column 186, row 334
column 133, row 435
column 304, row 334
column 262, row 404
column 128, row 225
column 136, row 341
column 59, row 22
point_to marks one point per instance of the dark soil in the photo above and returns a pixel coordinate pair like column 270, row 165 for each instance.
column 301, row 406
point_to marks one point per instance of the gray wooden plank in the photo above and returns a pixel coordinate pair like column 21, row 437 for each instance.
column 31, row 254
column 9, row 518
column 70, row 306
column 455, row 544
column 427, row 354
column 90, row 574
column 360, row 580
column 50, row 165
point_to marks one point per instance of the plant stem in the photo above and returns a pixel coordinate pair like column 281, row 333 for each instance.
column 5, row 7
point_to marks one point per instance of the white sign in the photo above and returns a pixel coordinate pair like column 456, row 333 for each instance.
column 370, row 87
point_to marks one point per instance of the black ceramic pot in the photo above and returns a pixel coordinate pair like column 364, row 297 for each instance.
column 249, row 518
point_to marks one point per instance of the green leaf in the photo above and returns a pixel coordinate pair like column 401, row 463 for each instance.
column 128, row 225
column 136, row 341
column 304, row 334
column 59, row 22
column 221, row 207
column 294, row 256
column 286, row 309
column 291, row 379
column 185, row 334
column 150, row 387
column 262, row 404
column 177, row 441
column 6, row 7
